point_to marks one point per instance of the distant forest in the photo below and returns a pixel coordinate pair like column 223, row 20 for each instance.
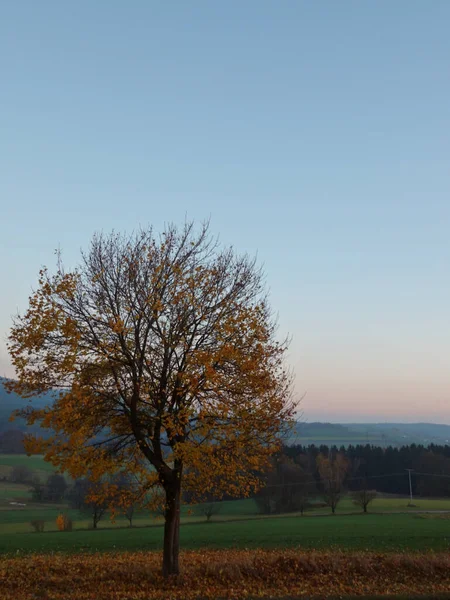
column 367, row 466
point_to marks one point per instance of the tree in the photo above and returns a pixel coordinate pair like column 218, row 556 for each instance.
column 363, row 497
column 164, row 354
column 286, row 487
column 56, row 487
column 266, row 497
column 129, row 513
column 303, row 501
column 86, row 496
column 127, row 494
column 210, row 508
column 77, row 493
column 332, row 471
column 292, row 489
column 96, row 509
column 37, row 490
column 21, row 474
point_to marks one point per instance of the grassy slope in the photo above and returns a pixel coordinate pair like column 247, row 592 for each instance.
column 13, row 491
column 18, row 520
column 374, row 532
column 35, row 463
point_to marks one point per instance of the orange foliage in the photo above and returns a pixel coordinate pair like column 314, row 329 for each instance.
column 223, row 574
column 63, row 522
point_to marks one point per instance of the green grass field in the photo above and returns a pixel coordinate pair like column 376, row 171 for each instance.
column 35, row 463
column 237, row 524
column 14, row 491
column 352, row 532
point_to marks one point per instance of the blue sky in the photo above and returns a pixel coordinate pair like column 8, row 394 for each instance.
column 315, row 134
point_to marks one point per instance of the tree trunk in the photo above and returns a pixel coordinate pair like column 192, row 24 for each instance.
column 176, row 539
column 172, row 530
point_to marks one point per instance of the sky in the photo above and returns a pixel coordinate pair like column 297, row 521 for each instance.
column 315, row 135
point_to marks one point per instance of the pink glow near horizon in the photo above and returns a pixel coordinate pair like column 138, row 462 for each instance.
column 341, row 399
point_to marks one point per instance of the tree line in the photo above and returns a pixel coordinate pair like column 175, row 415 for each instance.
column 301, row 475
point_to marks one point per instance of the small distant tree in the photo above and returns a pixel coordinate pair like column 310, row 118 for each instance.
column 55, row 488
column 76, row 493
column 292, row 488
column 332, row 470
column 21, row 474
column 87, row 497
column 96, row 510
column 302, row 500
column 129, row 513
column 209, row 509
column 38, row 525
column 286, row 488
column 127, row 495
column 363, row 497
column 265, row 498
column 63, row 522
column 37, row 489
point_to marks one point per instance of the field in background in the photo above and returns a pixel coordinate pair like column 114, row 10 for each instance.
column 237, row 524
column 377, row 434
column 35, row 463
column 351, row 532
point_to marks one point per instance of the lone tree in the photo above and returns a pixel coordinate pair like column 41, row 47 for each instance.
column 128, row 496
column 332, row 470
column 364, row 496
column 55, row 488
column 84, row 496
column 163, row 353
column 209, row 509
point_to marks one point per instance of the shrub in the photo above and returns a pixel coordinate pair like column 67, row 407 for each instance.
column 38, row 525
column 63, row 522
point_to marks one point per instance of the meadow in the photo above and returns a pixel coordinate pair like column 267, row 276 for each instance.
column 36, row 464
column 238, row 525
column 393, row 533
column 390, row 525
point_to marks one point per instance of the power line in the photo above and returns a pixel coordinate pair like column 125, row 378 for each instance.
column 363, row 477
column 433, row 474
column 315, row 481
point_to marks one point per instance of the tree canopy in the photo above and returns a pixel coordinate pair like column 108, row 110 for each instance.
column 164, row 355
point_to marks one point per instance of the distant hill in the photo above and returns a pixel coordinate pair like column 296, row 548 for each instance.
column 407, row 433
column 11, row 402
column 328, row 434
column 377, row 434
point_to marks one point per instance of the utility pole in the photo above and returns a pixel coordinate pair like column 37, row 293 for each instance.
column 410, row 486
